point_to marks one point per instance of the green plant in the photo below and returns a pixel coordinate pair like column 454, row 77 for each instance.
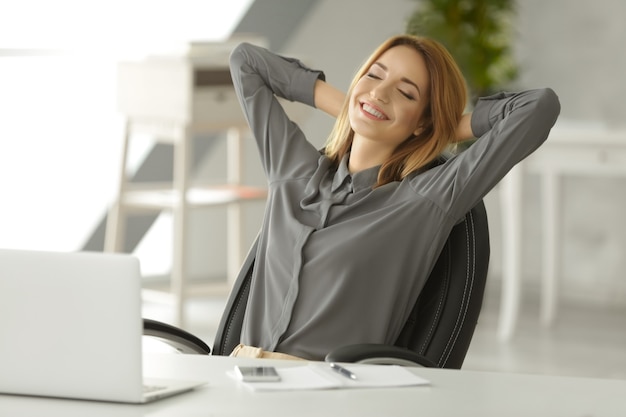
column 478, row 34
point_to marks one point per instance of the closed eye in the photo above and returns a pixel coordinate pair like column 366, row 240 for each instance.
column 407, row 95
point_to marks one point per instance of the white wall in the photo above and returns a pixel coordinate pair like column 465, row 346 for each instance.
column 576, row 46
column 59, row 136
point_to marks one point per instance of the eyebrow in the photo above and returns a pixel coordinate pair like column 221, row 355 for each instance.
column 403, row 79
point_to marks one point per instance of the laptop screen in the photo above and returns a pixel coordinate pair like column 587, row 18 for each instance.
column 70, row 325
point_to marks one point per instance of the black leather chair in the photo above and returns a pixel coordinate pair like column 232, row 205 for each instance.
column 437, row 334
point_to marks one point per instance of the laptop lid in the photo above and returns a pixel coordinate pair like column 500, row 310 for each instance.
column 71, row 325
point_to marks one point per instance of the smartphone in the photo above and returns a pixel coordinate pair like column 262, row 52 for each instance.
column 257, row 373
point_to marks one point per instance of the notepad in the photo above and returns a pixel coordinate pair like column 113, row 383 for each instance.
column 318, row 375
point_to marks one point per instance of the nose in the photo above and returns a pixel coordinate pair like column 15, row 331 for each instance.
column 379, row 93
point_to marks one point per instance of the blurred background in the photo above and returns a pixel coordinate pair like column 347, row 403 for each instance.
column 62, row 136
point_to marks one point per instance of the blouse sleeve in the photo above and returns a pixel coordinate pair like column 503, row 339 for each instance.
column 509, row 127
column 259, row 76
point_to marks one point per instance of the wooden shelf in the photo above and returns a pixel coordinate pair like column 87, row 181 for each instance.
column 197, row 197
column 173, row 99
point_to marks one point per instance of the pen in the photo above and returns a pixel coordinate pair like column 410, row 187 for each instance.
column 343, row 371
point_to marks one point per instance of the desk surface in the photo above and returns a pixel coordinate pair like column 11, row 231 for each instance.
column 452, row 393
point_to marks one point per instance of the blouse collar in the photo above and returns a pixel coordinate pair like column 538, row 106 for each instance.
column 360, row 181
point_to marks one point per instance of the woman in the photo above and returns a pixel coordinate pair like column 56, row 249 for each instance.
column 333, row 265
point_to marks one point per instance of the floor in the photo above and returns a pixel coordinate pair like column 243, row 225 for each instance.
column 586, row 340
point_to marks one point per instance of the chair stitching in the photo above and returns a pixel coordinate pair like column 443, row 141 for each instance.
column 236, row 308
column 473, row 257
column 466, row 293
column 435, row 320
column 443, row 360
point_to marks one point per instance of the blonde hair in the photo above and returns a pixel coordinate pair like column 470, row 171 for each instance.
column 446, row 102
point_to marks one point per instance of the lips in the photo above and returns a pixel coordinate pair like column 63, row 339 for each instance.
column 373, row 111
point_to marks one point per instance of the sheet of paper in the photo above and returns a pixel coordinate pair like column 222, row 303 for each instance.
column 319, row 375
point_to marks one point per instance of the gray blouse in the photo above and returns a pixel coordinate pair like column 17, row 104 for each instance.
column 339, row 262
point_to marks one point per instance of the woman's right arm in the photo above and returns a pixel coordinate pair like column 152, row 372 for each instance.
column 259, row 76
column 328, row 98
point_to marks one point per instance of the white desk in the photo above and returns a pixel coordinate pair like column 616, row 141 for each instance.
column 452, row 393
column 569, row 150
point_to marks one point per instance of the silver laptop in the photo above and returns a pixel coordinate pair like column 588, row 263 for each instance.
column 71, row 327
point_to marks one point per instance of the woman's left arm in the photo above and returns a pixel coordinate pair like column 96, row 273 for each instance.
column 509, row 127
column 464, row 130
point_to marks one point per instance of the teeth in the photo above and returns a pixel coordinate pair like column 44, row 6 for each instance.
column 373, row 111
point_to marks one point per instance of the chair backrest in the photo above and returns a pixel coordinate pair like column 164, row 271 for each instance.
column 442, row 323
column 443, row 320
column 228, row 332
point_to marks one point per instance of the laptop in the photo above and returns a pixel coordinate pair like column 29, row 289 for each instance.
column 71, row 327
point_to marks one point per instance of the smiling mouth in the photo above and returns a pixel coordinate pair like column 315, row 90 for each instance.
column 373, row 111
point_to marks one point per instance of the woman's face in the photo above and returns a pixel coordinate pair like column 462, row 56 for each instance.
column 387, row 103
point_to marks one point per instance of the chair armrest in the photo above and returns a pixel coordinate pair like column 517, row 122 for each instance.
column 178, row 338
column 378, row 354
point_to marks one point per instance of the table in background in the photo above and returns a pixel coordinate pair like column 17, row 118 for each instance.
column 577, row 150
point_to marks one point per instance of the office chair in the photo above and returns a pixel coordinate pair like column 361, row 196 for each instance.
column 439, row 329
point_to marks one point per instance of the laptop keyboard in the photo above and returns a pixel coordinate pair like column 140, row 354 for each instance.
column 152, row 388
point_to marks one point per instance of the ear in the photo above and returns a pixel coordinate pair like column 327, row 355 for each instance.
column 423, row 124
